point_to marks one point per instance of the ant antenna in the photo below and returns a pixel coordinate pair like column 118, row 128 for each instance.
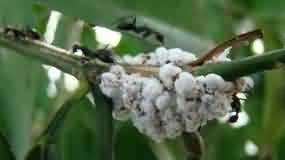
column 75, row 47
column 107, row 46
column 104, row 47
column 133, row 19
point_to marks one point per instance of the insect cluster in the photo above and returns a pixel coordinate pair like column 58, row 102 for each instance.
column 173, row 101
column 22, row 34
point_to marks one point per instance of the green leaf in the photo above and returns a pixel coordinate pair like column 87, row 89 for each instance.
column 44, row 144
column 130, row 144
column 77, row 138
column 41, row 14
column 36, row 153
column 42, row 152
column 18, row 75
column 163, row 19
column 5, row 149
column 21, row 80
column 104, row 124
column 58, row 120
column 88, row 37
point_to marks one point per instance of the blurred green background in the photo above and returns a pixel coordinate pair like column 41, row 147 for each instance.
column 30, row 92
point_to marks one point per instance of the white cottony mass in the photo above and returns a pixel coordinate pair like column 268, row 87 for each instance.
column 172, row 102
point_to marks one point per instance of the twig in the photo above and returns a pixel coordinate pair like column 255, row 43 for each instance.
column 44, row 52
column 194, row 144
column 61, row 58
column 231, row 70
column 72, row 64
column 224, row 45
column 142, row 69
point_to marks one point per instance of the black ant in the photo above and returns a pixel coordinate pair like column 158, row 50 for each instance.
column 143, row 30
column 104, row 54
column 236, row 106
column 22, row 34
column 32, row 33
column 13, row 32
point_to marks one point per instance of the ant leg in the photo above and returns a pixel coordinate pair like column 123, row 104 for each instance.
column 147, row 33
column 85, row 51
column 105, row 55
column 233, row 118
column 126, row 25
column 75, row 47
column 32, row 33
column 159, row 37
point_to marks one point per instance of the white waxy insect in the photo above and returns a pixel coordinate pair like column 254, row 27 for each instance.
column 172, row 102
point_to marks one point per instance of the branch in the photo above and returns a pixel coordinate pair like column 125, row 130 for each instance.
column 231, row 70
column 75, row 65
column 235, row 41
column 194, row 144
column 48, row 54
column 44, row 52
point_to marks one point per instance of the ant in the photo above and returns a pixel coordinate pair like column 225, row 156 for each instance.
column 22, row 34
column 104, row 54
column 32, row 33
column 236, row 106
column 143, row 30
column 13, row 32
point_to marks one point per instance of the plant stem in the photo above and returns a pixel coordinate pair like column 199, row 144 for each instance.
column 47, row 54
column 231, row 70
column 194, row 144
column 104, row 124
column 235, row 41
column 72, row 64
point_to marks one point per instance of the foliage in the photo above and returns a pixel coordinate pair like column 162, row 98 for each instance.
column 193, row 25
